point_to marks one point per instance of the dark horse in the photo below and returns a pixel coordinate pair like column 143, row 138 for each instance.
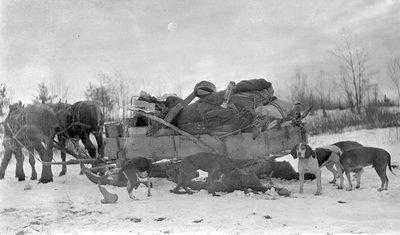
column 79, row 120
column 29, row 127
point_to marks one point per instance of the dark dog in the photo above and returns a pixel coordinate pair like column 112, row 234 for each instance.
column 357, row 158
column 343, row 146
column 131, row 168
column 213, row 163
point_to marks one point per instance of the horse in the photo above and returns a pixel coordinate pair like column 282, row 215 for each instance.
column 28, row 127
column 79, row 120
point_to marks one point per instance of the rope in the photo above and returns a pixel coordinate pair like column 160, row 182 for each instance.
column 236, row 131
column 255, row 123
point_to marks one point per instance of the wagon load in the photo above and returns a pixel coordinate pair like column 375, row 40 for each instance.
column 223, row 112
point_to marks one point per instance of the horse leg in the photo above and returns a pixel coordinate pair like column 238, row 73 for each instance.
column 100, row 144
column 32, row 162
column 47, row 175
column 63, row 156
column 19, row 170
column 4, row 163
column 88, row 144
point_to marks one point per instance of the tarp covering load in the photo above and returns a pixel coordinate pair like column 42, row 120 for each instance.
column 209, row 115
column 229, row 110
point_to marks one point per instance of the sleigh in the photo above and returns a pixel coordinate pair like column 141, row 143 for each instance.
column 145, row 134
column 172, row 144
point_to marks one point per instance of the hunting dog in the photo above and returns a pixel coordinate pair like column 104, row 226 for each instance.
column 311, row 161
column 213, row 163
column 357, row 158
column 343, row 146
column 329, row 156
column 308, row 163
column 131, row 168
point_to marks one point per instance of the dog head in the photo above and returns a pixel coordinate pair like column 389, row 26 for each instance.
column 302, row 151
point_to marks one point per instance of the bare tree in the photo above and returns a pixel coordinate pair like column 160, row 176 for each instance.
column 123, row 88
column 355, row 70
column 101, row 94
column 324, row 91
column 393, row 71
column 298, row 88
column 60, row 88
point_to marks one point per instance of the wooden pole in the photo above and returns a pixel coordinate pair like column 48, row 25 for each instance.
column 177, row 108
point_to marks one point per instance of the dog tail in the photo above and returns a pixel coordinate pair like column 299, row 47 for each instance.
column 389, row 164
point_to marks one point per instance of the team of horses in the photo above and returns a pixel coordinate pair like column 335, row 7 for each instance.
column 32, row 125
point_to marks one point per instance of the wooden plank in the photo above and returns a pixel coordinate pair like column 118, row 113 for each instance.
column 110, row 147
column 147, row 146
column 243, row 146
column 186, row 147
column 144, row 146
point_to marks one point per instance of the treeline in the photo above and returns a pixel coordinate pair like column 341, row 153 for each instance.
column 354, row 84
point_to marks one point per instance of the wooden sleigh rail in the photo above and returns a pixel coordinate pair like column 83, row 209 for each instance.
column 80, row 158
column 75, row 162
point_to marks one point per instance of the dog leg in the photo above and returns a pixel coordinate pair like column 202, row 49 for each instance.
column 213, row 177
column 186, row 181
column 319, row 184
column 301, row 178
column 189, row 178
column 178, row 183
column 131, row 196
column 148, row 186
column 358, row 177
column 340, row 174
column 270, row 178
column 183, row 181
column 130, row 187
column 334, row 172
column 349, row 179
column 176, row 189
column 387, row 180
column 132, row 179
column 384, row 179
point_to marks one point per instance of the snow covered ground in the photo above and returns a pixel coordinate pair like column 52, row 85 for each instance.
column 71, row 204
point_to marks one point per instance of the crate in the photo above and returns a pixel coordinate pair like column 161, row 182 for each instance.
column 114, row 130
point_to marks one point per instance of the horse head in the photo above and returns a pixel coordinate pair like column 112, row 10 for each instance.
column 63, row 112
column 16, row 106
column 65, row 117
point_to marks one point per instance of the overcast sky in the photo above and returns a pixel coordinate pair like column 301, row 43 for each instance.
column 170, row 44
